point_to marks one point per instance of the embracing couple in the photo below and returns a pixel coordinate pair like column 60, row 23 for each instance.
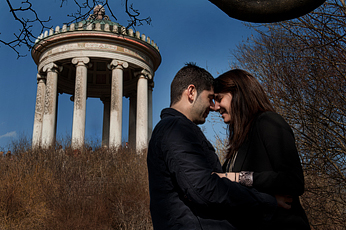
column 258, row 186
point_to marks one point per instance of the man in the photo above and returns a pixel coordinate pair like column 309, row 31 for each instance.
column 184, row 192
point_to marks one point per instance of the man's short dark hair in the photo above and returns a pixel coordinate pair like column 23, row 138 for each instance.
column 190, row 74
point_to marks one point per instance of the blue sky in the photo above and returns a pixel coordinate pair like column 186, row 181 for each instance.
column 185, row 31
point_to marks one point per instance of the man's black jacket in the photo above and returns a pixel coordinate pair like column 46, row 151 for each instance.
column 184, row 194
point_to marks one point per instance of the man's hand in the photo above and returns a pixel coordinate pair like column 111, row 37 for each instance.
column 284, row 201
column 230, row 175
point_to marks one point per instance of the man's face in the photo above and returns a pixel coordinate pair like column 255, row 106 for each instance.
column 202, row 105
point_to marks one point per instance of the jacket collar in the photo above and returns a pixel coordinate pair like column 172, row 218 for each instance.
column 169, row 112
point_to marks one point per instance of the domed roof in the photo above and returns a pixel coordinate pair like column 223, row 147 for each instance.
column 97, row 21
column 101, row 21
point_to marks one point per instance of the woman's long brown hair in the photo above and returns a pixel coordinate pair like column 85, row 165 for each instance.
column 248, row 101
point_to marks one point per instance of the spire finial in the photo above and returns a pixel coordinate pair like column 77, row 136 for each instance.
column 99, row 13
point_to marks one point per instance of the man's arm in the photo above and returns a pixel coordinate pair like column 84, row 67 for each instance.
column 191, row 163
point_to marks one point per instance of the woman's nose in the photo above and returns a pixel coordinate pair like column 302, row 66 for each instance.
column 216, row 106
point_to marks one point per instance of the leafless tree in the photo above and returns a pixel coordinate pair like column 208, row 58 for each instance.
column 302, row 65
column 27, row 18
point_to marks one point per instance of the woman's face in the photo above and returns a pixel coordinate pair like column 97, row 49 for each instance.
column 223, row 105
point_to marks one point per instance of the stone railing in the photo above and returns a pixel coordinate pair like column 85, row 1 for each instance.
column 97, row 25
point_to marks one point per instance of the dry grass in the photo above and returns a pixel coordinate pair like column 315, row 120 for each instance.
column 49, row 189
column 103, row 190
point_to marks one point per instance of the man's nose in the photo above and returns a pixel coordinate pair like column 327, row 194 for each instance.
column 212, row 105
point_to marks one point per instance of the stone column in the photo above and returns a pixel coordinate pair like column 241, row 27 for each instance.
column 79, row 108
column 142, row 111
column 49, row 117
column 105, row 127
column 39, row 110
column 116, row 108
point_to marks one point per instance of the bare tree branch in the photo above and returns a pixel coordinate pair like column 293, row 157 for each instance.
column 84, row 8
column 24, row 36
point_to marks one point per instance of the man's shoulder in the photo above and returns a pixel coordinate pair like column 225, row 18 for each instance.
column 171, row 116
column 173, row 124
column 174, row 127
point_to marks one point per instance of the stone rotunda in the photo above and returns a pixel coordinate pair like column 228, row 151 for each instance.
column 95, row 58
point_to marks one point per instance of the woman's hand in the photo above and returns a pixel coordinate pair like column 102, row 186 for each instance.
column 284, row 201
column 233, row 176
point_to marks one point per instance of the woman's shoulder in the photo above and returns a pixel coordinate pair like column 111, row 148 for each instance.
column 270, row 119
column 270, row 115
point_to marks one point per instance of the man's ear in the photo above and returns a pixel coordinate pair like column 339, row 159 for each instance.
column 191, row 93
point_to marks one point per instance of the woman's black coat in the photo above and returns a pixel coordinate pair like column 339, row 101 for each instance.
column 270, row 152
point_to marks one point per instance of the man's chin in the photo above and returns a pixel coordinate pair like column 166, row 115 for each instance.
column 200, row 122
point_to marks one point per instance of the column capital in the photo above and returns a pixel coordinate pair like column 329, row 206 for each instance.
column 80, row 60
column 40, row 77
column 118, row 64
column 52, row 67
column 143, row 73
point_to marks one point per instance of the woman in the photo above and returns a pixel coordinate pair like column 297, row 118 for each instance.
column 262, row 152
